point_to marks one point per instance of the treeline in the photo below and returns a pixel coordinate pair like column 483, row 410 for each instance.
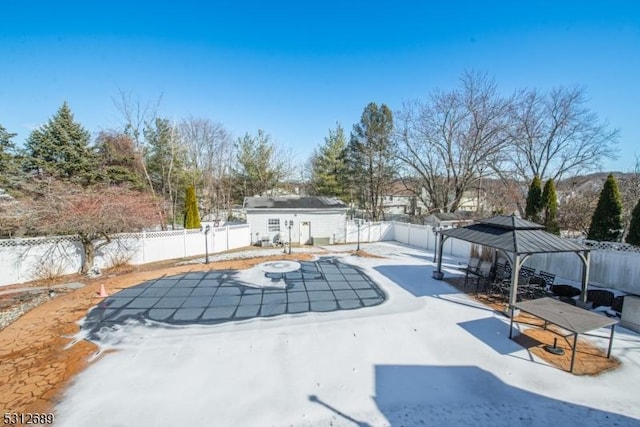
column 440, row 148
column 149, row 155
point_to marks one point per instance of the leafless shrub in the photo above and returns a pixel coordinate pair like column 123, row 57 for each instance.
column 120, row 253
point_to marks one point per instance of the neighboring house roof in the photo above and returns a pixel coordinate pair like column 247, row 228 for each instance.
column 451, row 216
column 399, row 189
column 294, row 203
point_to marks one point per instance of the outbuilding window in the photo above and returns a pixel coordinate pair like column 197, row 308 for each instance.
column 273, row 225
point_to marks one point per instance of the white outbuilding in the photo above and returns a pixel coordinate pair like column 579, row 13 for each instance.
column 309, row 220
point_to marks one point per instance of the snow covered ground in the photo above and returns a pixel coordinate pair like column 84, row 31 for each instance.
column 427, row 356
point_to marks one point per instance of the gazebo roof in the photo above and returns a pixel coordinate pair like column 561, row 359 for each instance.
column 515, row 235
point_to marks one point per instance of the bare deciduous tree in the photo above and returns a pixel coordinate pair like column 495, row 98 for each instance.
column 576, row 206
column 556, row 133
column 93, row 213
column 13, row 216
column 210, row 155
column 166, row 159
column 446, row 141
column 553, row 135
column 136, row 116
column 630, row 191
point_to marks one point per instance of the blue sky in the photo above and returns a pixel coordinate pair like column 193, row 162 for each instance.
column 294, row 69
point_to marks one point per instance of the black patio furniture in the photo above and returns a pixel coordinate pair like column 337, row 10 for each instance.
column 547, row 277
column 503, row 272
column 499, row 287
column 515, row 240
column 471, row 269
column 565, row 291
column 536, row 288
column 527, row 272
column 484, row 275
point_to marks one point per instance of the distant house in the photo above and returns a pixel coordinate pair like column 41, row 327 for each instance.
column 399, row 201
column 450, row 219
column 315, row 220
column 469, row 201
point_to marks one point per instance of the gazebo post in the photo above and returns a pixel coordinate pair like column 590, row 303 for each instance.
column 515, row 272
column 586, row 261
column 438, row 274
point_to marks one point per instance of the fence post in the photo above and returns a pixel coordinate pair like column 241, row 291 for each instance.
column 144, row 243
column 227, row 237
column 19, row 260
column 346, row 229
column 184, row 242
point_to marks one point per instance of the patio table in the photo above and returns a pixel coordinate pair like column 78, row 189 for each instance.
column 566, row 316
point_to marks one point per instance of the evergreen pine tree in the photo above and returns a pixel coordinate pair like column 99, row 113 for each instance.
column 118, row 160
column 371, row 159
column 606, row 223
column 634, row 227
column 534, row 200
column 7, row 158
column 191, row 214
column 61, row 148
column 328, row 166
column 260, row 166
column 550, row 203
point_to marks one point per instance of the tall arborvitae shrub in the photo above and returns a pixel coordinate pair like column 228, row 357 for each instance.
column 534, row 200
column 606, row 223
column 550, row 203
column 634, row 227
column 191, row 214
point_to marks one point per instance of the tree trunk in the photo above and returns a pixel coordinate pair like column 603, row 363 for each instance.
column 89, row 255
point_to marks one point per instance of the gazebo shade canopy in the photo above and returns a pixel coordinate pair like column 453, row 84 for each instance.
column 515, row 235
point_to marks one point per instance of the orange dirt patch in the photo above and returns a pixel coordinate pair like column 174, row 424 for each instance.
column 364, row 254
column 590, row 360
column 36, row 358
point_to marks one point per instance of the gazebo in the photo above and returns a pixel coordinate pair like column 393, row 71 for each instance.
column 517, row 239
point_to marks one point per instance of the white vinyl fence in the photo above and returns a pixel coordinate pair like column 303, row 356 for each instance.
column 369, row 232
column 609, row 269
column 22, row 260
column 612, row 265
column 422, row 236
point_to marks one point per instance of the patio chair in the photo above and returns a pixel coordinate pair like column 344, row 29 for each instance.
column 507, row 269
column 503, row 272
column 501, row 282
column 548, row 278
column 536, row 288
column 527, row 273
column 484, row 275
column 500, row 288
column 472, row 269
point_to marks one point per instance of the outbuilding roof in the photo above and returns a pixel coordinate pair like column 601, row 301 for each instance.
column 515, row 235
column 294, row 203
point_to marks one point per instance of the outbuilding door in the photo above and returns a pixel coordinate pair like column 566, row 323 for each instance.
column 305, row 232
